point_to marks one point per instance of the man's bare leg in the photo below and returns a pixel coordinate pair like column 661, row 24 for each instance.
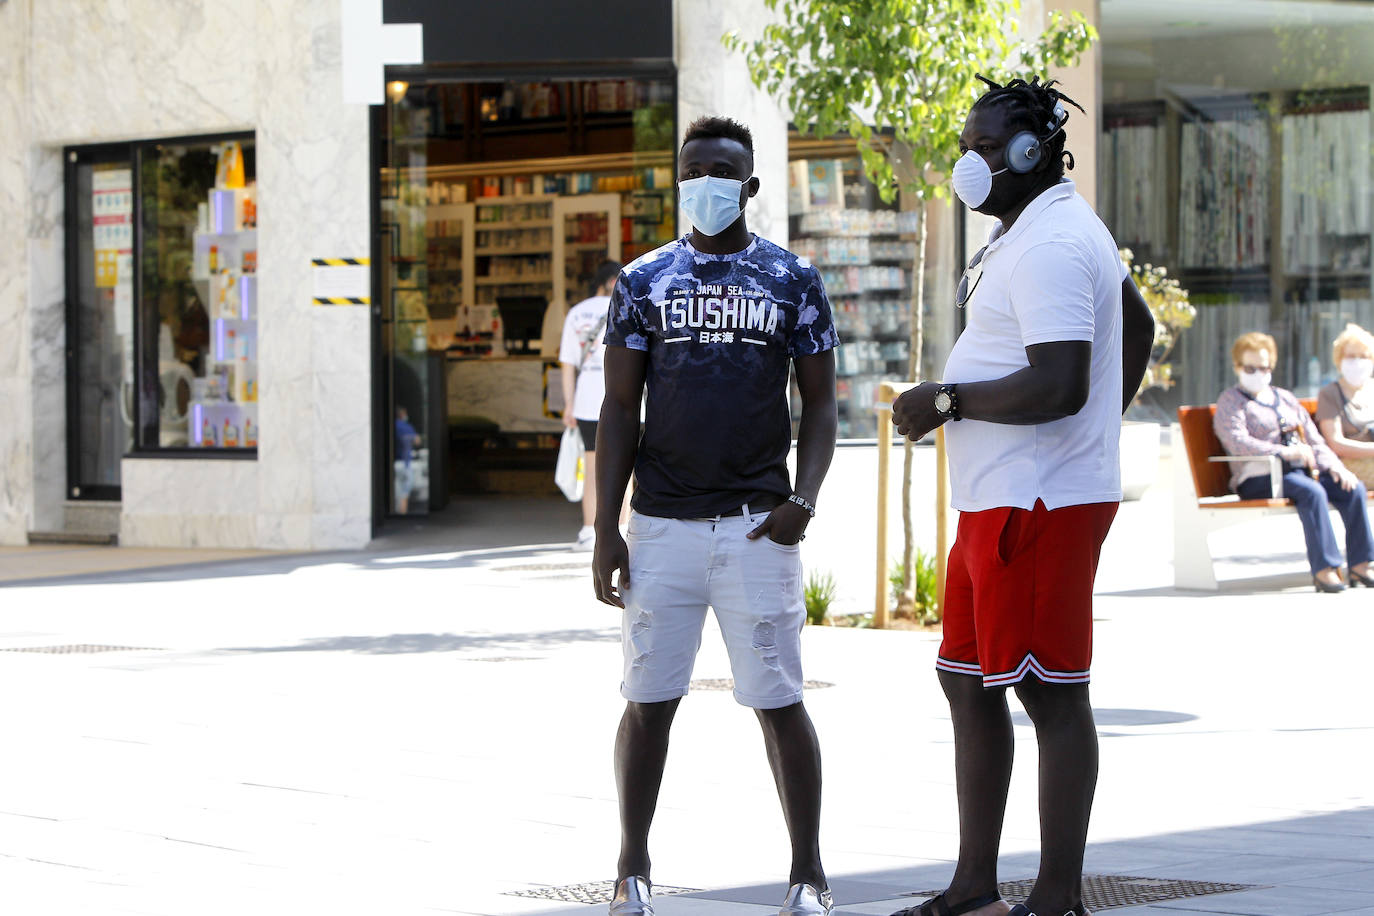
column 1067, row 739
column 983, row 749
column 794, row 754
column 641, row 749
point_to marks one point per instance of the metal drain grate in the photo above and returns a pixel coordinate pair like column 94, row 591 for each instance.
column 725, row 683
column 79, row 649
column 592, row 892
column 1105, row 892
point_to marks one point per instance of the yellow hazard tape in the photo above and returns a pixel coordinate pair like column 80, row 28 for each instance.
column 340, row 262
column 340, row 300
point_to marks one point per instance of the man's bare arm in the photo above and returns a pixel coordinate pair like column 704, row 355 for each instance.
column 1137, row 339
column 617, row 437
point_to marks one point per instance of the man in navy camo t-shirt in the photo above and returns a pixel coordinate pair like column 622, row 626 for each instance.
column 707, row 329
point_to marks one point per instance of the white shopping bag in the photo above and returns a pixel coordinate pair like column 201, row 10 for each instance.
column 568, row 474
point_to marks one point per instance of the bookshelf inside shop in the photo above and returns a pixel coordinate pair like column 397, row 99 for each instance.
column 1260, row 204
column 864, row 251
column 507, row 198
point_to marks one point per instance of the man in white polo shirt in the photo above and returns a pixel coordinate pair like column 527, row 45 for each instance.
column 1055, row 345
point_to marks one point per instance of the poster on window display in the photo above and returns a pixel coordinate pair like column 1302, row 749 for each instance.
column 112, row 223
column 825, row 184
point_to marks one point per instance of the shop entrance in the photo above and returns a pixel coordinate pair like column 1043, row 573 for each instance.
column 497, row 202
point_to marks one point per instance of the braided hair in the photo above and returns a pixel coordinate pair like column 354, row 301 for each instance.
column 1032, row 106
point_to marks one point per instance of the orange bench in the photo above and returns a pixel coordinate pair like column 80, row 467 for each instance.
column 1203, row 501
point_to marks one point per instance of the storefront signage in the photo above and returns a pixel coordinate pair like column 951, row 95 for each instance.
column 342, row 281
column 112, row 222
column 537, row 31
column 367, row 46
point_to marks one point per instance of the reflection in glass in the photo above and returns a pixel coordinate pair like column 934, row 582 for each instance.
column 102, row 326
column 1235, row 153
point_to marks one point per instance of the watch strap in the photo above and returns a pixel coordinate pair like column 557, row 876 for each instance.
column 804, row 503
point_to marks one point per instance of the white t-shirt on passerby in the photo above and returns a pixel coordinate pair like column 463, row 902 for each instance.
column 583, row 347
column 1055, row 275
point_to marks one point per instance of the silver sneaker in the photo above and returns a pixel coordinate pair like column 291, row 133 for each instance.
column 632, row 897
column 805, row 900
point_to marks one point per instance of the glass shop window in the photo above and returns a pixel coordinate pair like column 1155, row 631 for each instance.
column 199, row 304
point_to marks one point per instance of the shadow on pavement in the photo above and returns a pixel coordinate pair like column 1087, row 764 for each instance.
column 1317, row 864
column 468, row 532
column 410, row 643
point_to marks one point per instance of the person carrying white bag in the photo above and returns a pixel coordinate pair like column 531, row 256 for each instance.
column 582, row 354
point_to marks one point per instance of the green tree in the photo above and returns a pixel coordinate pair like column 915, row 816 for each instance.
column 899, row 76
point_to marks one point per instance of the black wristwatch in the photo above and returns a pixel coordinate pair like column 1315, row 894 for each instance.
column 947, row 403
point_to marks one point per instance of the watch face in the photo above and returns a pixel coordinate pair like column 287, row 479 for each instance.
column 942, row 402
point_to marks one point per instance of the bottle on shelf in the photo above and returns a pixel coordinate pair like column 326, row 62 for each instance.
column 231, row 434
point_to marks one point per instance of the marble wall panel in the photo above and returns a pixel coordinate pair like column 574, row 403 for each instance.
column 277, row 531
column 16, row 427
column 313, row 168
column 714, row 81
column 47, row 316
column 179, row 529
column 342, row 436
column 339, row 532
column 141, row 68
column 163, row 486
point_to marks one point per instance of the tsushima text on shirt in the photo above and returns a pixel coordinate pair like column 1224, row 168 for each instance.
column 720, row 309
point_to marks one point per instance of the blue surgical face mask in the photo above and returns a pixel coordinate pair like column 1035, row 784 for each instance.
column 711, row 203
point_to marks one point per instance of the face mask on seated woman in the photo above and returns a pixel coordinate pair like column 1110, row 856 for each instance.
column 1356, row 371
column 1254, row 380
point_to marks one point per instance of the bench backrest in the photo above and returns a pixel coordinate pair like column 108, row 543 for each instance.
column 1200, row 442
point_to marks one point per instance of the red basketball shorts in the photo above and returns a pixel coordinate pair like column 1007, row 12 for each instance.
column 1019, row 593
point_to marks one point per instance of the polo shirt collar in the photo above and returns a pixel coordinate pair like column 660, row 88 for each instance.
column 1052, row 195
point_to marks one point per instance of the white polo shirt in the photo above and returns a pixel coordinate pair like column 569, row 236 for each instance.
column 1055, row 275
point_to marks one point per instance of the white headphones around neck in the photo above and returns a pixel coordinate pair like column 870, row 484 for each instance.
column 1025, row 150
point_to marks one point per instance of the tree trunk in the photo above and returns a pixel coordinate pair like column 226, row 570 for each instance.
column 907, row 601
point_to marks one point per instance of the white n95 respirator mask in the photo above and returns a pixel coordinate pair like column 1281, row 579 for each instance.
column 711, row 203
column 972, row 178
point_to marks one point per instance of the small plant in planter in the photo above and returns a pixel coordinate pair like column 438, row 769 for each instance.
column 818, row 596
column 1173, row 315
column 926, row 610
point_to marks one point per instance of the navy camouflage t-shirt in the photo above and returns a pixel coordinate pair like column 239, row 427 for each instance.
column 721, row 332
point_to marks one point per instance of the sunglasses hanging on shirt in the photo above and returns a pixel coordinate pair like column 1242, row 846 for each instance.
column 969, row 281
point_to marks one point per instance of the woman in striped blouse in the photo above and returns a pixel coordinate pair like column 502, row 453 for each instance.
column 1255, row 418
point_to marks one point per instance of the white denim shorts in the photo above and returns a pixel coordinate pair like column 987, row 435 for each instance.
column 678, row 568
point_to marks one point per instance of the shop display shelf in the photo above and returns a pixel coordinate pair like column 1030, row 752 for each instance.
column 514, row 199
column 513, row 224
column 514, row 280
column 498, row 252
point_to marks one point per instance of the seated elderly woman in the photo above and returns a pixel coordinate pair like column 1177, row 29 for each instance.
column 1255, row 418
column 1345, row 408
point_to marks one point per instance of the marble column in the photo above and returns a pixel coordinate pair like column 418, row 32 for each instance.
column 1082, row 83
column 714, row 81
column 315, row 489
column 16, row 426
